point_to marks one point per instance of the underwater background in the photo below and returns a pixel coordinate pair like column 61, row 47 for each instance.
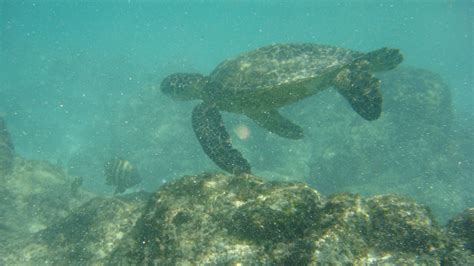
column 79, row 84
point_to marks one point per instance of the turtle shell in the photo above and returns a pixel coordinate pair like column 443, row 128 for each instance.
column 279, row 64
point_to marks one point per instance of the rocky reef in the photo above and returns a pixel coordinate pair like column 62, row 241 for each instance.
column 219, row 219
column 7, row 152
column 46, row 217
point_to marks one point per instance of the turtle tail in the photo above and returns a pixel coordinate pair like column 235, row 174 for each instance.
column 361, row 89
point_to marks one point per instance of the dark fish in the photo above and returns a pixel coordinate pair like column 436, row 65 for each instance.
column 121, row 174
column 7, row 151
column 76, row 184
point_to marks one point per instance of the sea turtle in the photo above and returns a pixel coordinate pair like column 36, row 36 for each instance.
column 258, row 82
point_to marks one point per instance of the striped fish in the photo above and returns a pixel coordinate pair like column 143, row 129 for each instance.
column 121, row 174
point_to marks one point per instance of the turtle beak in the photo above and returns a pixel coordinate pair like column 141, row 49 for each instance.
column 183, row 86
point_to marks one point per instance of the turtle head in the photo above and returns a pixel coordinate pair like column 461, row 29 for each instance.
column 184, row 86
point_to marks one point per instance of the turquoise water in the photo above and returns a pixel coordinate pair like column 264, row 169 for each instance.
column 69, row 68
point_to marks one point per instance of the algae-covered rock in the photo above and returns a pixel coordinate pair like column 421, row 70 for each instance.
column 216, row 219
column 398, row 224
column 7, row 152
column 219, row 219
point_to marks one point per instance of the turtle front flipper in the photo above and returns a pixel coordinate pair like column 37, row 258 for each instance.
column 361, row 89
column 274, row 122
column 215, row 141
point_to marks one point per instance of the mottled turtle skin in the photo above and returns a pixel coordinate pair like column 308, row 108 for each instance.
column 258, row 82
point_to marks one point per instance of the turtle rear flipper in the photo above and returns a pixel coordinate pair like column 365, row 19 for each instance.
column 383, row 59
column 215, row 141
column 361, row 89
column 274, row 122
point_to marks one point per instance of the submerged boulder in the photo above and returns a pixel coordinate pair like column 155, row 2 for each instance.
column 219, row 219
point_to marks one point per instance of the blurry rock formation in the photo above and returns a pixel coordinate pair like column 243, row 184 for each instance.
column 7, row 151
column 410, row 149
column 35, row 195
column 215, row 219
column 407, row 141
column 92, row 231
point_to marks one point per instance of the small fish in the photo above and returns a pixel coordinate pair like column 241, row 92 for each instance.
column 76, row 184
column 122, row 174
column 5, row 135
column 7, row 151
